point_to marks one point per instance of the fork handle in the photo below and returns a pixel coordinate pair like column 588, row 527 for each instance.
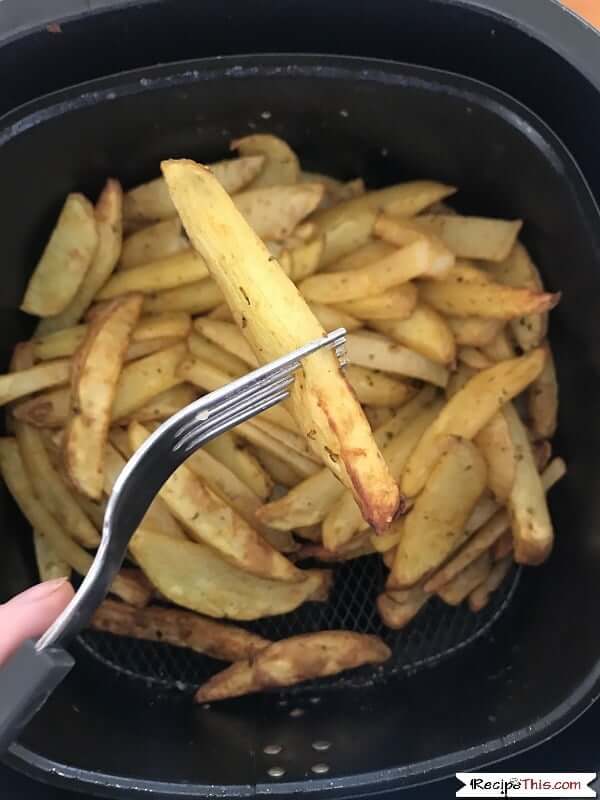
column 26, row 681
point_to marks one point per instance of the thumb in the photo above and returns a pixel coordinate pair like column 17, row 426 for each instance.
column 30, row 613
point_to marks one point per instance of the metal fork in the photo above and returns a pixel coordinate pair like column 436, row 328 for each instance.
column 35, row 670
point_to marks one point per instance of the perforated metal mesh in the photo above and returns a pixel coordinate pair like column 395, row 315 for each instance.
column 436, row 633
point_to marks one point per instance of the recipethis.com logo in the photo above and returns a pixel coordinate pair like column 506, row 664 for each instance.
column 526, row 784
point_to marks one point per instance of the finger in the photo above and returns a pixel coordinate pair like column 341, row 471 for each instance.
column 29, row 614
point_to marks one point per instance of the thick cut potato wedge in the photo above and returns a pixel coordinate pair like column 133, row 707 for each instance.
column 474, row 331
column 468, row 411
column 480, row 596
column 305, row 504
column 179, row 628
column 374, row 388
column 50, row 565
column 109, row 226
column 397, row 615
column 473, row 237
column 400, row 267
column 170, row 272
column 151, row 201
column 153, row 243
column 34, row 379
column 230, row 451
column 349, row 225
column 222, row 359
column 126, row 586
column 228, row 336
column 500, row 348
column 371, row 350
column 281, row 473
column 291, row 661
column 533, row 534
column 495, row 442
column 274, row 211
column 45, row 410
column 302, row 261
column 332, row 318
column 543, row 400
column 195, row 298
column 164, row 405
column 257, row 436
column 397, row 303
column 474, row 358
column 147, row 377
column 95, row 375
column 425, row 331
column 211, row 521
column 461, row 586
column 195, row 576
column 435, row 526
column 281, row 166
column 275, row 320
column 65, row 260
column 367, row 254
column 462, row 298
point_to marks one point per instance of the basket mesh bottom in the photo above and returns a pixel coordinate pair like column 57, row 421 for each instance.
column 437, row 632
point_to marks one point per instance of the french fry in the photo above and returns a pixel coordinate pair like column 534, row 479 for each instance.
column 377, row 389
column 363, row 256
column 474, row 331
column 461, row 375
column 146, row 378
column 496, row 445
column 344, row 519
column 274, row 211
column 294, row 660
column 468, row 411
column 179, row 628
column 211, row 521
column 50, row 565
column 227, row 449
column 170, row 272
column 157, row 241
column 108, row 215
column 461, row 586
column 302, row 261
column 256, row 436
column 280, row 472
column 305, row 504
column 424, row 331
column 228, row 336
column 474, row 358
column 332, row 318
column 195, row 576
column 473, row 237
column 533, row 534
column 543, row 400
column 398, row 303
column 226, row 362
column 518, row 270
column 42, row 376
column 377, row 415
column 93, row 511
column 288, row 438
column 13, row 471
column 460, row 298
column 322, row 400
column 195, row 298
column 357, row 548
column 480, row 596
column 137, row 350
column 349, row 225
column 386, row 541
column 164, row 405
column 397, row 615
column 65, row 260
column 503, row 546
column 378, row 352
column 222, row 313
column 500, row 348
column 151, row 201
column 48, row 409
column 400, row 267
column 280, row 164
column 435, row 526
column 95, row 376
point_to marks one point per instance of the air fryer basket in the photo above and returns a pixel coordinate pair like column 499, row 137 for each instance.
column 522, row 675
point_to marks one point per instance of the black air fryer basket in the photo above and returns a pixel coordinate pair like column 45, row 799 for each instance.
column 460, row 690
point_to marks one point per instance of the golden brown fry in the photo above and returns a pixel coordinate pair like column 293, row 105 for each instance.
column 215, row 355
column 43, row 376
column 322, row 400
column 468, row 411
column 375, row 388
column 332, row 318
column 164, row 405
column 291, row 661
column 195, row 576
column 147, row 377
column 280, row 472
column 397, row 615
column 45, row 410
column 109, row 226
column 461, row 586
column 152, row 243
column 500, row 348
column 302, row 261
column 543, row 400
column 50, row 565
column 495, row 442
column 306, row 504
column 256, row 436
column 473, row 237
column 371, row 350
column 195, row 298
column 474, row 331
column 480, row 596
column 474, row 358
column 137, row 350
column 274, row 211
column 398, row 303
column 94, row 379
column 280, row 164
column 171, row 272
column 65, row 260
column 228, row 449
column 130, row 589
column 368, row 253
column 211, row 521
column 436, row 524
column 358, row 548
column 179, row 628
column 425, row 331
column 228, row 336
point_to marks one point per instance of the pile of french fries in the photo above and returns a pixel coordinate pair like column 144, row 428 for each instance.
column 431, row 450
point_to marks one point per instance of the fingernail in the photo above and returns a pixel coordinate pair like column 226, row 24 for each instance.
column 39, row 592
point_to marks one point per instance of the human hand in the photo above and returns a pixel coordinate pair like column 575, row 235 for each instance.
column 30, row 613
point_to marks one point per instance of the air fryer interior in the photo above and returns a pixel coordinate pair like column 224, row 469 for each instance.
column 528, row 673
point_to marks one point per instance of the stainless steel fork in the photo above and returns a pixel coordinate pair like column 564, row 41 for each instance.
column 35, row 670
